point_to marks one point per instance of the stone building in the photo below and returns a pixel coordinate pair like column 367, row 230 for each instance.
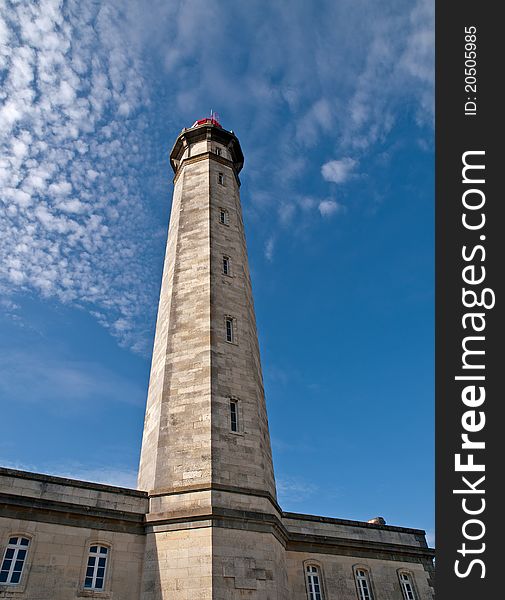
column 205, row 522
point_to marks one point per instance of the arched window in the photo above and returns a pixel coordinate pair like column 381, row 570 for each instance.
column 96, row 567
column 14, row 560
column 314, row 583
column 407, row 584
column 363, row 583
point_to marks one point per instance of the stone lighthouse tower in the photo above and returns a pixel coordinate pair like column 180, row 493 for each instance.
column 204, row 523
column 214, row 522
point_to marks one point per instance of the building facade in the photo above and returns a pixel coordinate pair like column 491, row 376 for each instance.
column 205, row 522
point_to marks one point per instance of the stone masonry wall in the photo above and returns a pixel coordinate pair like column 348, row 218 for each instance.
column 62, row 518
column 243, row 458
column 176, row 447
column 338, row 576
column 57, row 558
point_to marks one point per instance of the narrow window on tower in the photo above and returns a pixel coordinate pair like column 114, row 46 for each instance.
column 314, row 584
column 217, row 151
column 407, row 585
column 226, row 265
column 96, row 567
column 234, row 416
column 230, row 329
column 223, row 216
column 363, row 584
column 220, row 178
column 14, row 560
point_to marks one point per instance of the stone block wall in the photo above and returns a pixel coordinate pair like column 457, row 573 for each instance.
column 339, row 583
column 62, row 518
column 57, row 558
column 178, row 563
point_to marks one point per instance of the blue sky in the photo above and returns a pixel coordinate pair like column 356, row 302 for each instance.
column 333, row 105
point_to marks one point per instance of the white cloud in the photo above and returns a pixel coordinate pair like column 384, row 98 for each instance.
column 16, row 276
column 60, row 188
column 328, row 208
column 399, row 69
column 307, row 203
column 120, row 476
column 286, row 212
column 319, row 118
column 75, row 107
column 68, row 385
column 72, row 206
column 8, row 304
column 293, row 490
column 338, row 171
column 269, row 248
column 19, row 197
column 71, row 86
column 418, row 59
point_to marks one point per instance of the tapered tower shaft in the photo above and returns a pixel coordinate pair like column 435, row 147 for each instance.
column 206, row 419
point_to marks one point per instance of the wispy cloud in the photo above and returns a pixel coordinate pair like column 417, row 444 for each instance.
column 293, row 490
column 118, row 476
column 63, row 385
column 338, row 171
column 269, row 248
column 286, row 213
column 70, row 134
column 9, row 308
column 399, row 65
column 328, row 208
column 294, row 447
column 82, row 104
